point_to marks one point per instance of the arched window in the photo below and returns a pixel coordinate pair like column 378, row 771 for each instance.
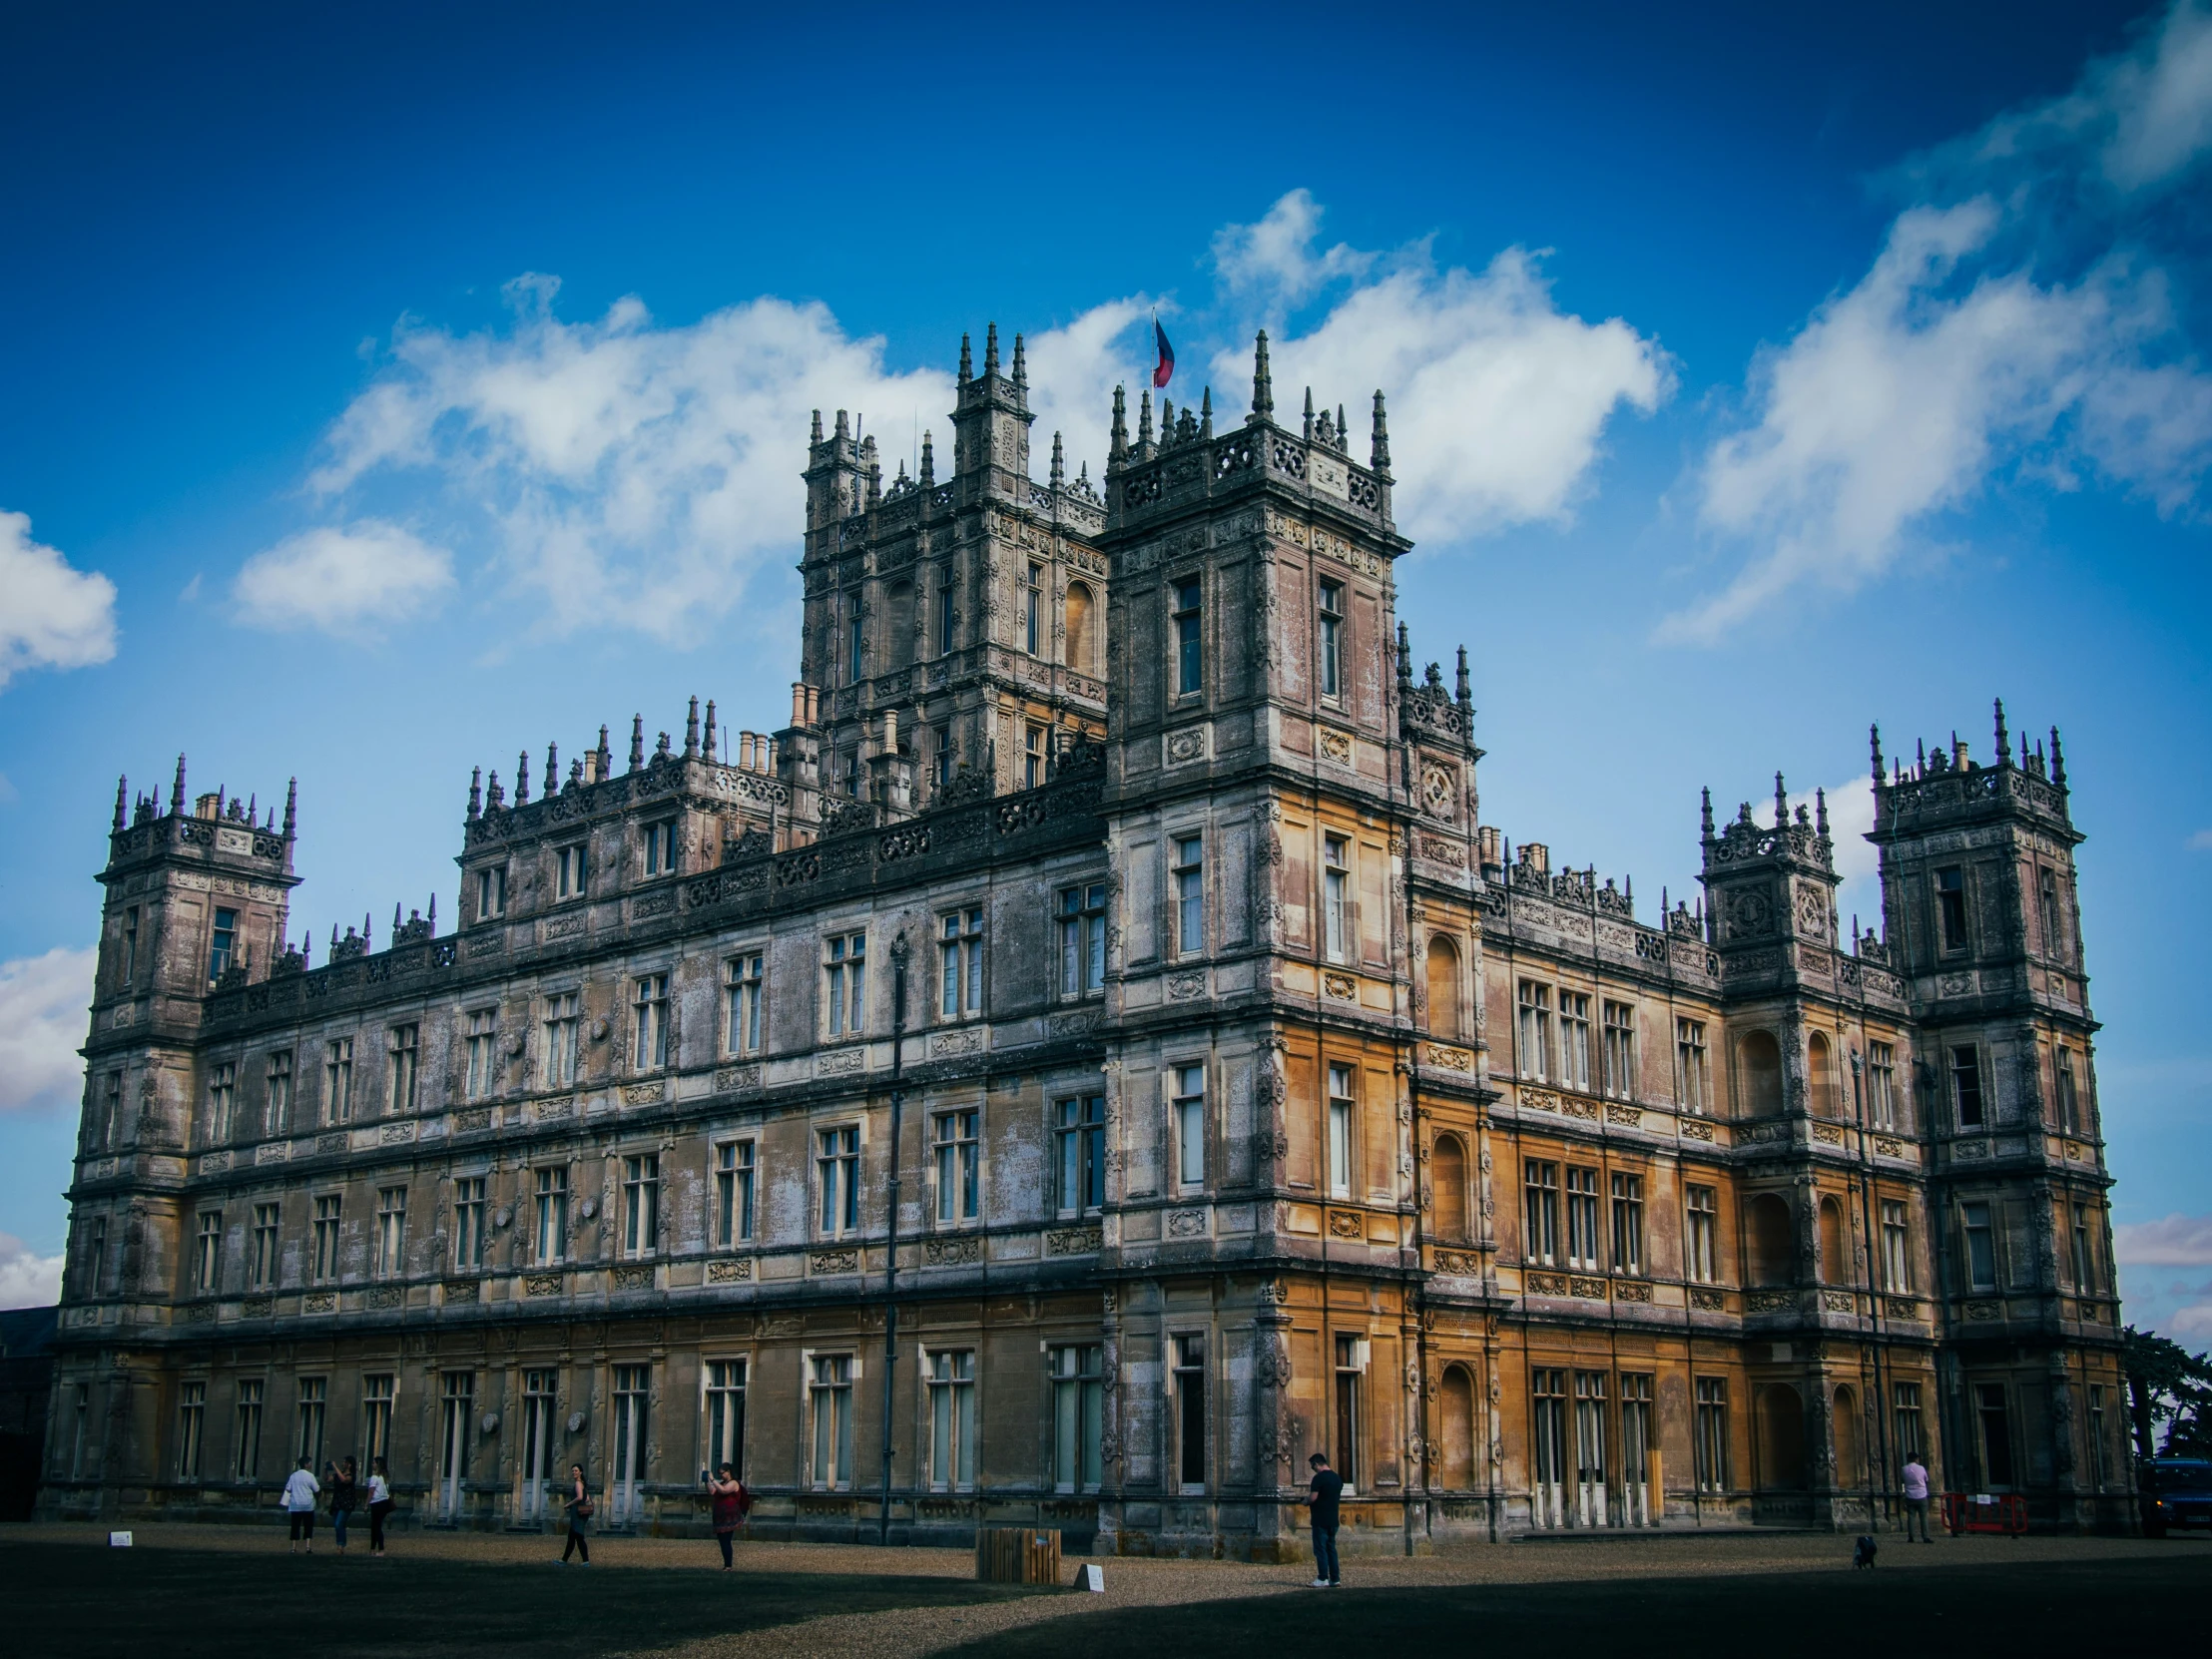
column 1762, row 1074
column 1832, row 1270
column 1828, row 1093
column 1082, row 630
column 1448, row 1174
column 1458, row 1414
column 1849, row 1454
column 899, row 621
column 1767, row 1230
column 1444, row 987
column 1780, row 1437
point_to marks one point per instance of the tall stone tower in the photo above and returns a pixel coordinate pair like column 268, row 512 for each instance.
column 952, row 630
column 1977, row 885
column 196, row 905
column 1262, row 1215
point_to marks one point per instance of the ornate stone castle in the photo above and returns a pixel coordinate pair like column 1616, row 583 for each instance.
column 1092, row 1057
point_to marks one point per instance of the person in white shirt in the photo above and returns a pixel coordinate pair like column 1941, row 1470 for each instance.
column 379, row 1506
column 300, row 1495
column 1915, row 1497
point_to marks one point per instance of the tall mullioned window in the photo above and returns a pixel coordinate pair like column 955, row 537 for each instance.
column 1693, row 1075
column 468, row 1223
column 1078, row 1414
column 552, row 1216
column 641, row 1204
column 1628, row 1223
column 1896, row 1247
column 1966, row 1084
column 222, row 1091
column 961, row 963
column 1881, row 1086
column 745, row 986
column 1329, row 675
column 1541, row 1213
column 222, row 944
column 570, row 872
column 1620, row 1050
column 1190, row 895
column 1032, row 610
column 734, row 1178
column 1582, row 1216
column 491, row 892
column 1575, row 1040
column 1083, row 939
column 1190, row 647
column 276, row 1098
column 1342, row 1140
column 262, row 1266
column 391, row 1232
column 661, row 847
column 338, row 1081
column 562, row 1039
column 1705, row 1235
column 206, row 1254
column 959, row 1155
column 1190, row 1124
column 1336, row 897
column 403, row 1046
column 1536, row 1031
column 1950, row 908
column 484, row 1052
column 324, row 1265
column 649, row 1013
column 845, row 980
column 1081, row 1130
column 837, row 1167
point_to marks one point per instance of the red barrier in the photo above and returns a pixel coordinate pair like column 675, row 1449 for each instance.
column 2004, row 1513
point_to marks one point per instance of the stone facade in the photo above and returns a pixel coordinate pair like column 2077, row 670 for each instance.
column 1092, row 1057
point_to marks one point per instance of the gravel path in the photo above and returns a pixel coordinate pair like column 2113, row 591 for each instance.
column 1134, row 1582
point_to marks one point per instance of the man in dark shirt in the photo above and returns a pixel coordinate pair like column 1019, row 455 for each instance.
column 1320, row 1498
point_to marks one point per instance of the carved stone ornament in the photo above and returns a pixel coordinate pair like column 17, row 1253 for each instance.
column 730, row 1273
column 1348, row 1223
column 1335, row 746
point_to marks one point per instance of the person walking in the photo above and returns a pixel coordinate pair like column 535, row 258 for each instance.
column 731, row 1502
column 1322, row 1496
column 579, row 1513
column 300, row 1495
column 379, row 1506
column 1915, row 1497
column 345, row 1489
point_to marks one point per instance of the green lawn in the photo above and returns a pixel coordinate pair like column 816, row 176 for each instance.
column 2075, row 1610
column 153, row 1603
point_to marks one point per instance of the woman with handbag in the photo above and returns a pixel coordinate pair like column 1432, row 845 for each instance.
column 579, row 1513
column 380, row 1505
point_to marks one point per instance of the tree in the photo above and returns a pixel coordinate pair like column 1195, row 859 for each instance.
column 2164, row 1380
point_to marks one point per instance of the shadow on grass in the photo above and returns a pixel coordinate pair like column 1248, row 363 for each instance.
column 2044, row 1607
column 153, row 1603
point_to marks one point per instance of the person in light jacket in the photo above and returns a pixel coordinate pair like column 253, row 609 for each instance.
column 300, row 1493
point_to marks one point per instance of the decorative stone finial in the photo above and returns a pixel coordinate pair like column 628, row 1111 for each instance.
column 2004, row 739
column 815, row 434
column 1117, row 443
column 1262, row 383
column 1309, row 414
column 552, row 768
column 177, row 789
column 1059, row 463
column 691, row 732
column 1705, row 816
column 968, row 360
column 1379, row 451
column 1021, row 371
column 707, row 744
column 637, row 741
column 522, row 778
column 1206, row 413
column 121, row 783
column 475, row 794
column 991, row 349
column 928, row 461
column 1781, row 804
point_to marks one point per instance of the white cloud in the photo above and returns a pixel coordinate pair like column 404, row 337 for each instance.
column 2201, row 841
column 1958, row 358
column 637, row 475
column 2177, row 1240
column 1276, row 256
column 625, row 473
column 27, row 1279
column 43, row 1004
column 50, row 615
column 341, row 579
column 1499, row 400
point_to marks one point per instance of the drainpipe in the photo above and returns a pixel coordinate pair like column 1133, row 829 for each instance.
column 891, row 1252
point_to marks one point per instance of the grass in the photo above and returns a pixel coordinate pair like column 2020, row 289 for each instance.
column 90, row 1602
column 2081, row 1608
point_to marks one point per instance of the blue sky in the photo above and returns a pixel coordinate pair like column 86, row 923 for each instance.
column 384, row 395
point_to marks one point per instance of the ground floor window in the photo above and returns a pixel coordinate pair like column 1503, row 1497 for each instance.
column 1078, row 1409
column 952, row 1419
column 725, row 1414
column 830, row 1386
column 192, row 1414
column 247, row 1453
column 1712, row 1434
column 1547, row 1435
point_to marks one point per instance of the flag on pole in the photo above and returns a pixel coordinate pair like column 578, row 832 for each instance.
column 1164, row 369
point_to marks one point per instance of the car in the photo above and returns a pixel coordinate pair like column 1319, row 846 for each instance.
column 2176, row 1493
